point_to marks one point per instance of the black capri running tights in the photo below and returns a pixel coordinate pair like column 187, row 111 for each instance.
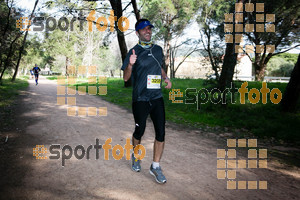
column 156, row 109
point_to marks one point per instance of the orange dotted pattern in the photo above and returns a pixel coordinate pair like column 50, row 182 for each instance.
column 227, row 163
column 38, row 150
column 175, row 93
column 263, row 23
column 23, row 22
column 66, row 91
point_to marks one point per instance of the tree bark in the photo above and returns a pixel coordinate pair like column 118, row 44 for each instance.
column 2, row 73
column 67, row 64
column 228, row 67
column 260, row 72
column 6, row 62
column 260, row 65
column 167, row 56
column 135, row 9
column 117, row 7
column 212, row 59
column 3, row 38
column 229, row 63
column 292, row 91
column 213, row 63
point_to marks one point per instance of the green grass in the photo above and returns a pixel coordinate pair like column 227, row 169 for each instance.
column 51, row 77
column 262, row 120
column 8, row 93
column 9, row 90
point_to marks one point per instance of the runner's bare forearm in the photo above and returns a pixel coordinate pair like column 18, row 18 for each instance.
column 164, row 75
column 127, row 73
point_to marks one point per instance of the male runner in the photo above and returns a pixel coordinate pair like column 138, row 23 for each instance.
column 36, row 71
column 145, row 65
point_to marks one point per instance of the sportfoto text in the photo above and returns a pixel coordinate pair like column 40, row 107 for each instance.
column 202, row 96
column 80, row 152
column 64, row 24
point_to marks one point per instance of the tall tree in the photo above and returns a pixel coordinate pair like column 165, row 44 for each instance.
column 286, row 35
column 117, row 7
column 211, row 14
column 230, row 57
column 286, row 31
column 23, row 44
column 10, row 35
column 136, row 10
column 193, row 47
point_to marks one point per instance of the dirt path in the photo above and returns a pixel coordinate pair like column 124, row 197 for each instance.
column 189, row 161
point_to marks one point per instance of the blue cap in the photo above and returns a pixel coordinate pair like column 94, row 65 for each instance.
column 143, row 24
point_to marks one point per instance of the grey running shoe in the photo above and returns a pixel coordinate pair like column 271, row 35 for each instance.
column 135, row 164
column 157, row 173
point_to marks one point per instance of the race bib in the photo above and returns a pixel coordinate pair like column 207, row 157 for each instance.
column 153, row 81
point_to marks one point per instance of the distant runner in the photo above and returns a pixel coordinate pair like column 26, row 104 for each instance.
column 36, row 71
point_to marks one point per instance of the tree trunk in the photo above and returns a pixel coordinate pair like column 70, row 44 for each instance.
column 117, row 7
column 229, row 63
column 172, row 73
column 292, row 91
column 212, row 59
column 23, row 44
column 213, row 63
column 2, row 73
column 67, row 63
column 3, row 38
column 167, row 55
column 228, row 67
column 172, row 61
column 260, row 71
column 20, row 57
column 135, row 9
column 6, row 62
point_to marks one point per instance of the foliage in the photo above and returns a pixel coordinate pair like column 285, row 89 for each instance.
column 211, row 14
column 279, row 67
column 32, row 53
column 169, row 17
column 286, row 33
column 109, row 62
column 289, row 57
column 10, row 41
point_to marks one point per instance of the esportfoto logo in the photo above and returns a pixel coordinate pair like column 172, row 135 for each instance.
column 66, row 152
column 64, row 24
column 202, row 96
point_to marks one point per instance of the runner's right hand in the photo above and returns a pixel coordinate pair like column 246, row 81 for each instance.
column 132, row 58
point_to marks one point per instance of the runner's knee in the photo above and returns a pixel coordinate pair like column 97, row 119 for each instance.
column 160, row 136
column 139, row 131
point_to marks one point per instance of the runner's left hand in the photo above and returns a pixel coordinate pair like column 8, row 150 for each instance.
column 169, row 84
